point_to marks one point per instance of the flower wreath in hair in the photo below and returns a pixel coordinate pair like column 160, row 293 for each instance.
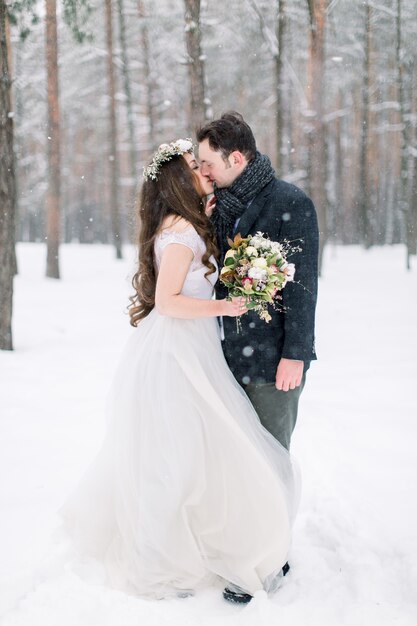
column 166, row 152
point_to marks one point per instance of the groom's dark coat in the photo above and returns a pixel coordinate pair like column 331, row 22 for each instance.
column 282, row 212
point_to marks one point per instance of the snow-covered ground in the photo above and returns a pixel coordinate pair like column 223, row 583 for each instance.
column 354, row 556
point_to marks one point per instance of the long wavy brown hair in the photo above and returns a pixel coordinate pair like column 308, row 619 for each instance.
column 176, row 191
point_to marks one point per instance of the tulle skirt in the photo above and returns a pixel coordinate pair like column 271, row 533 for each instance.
column 188, row 486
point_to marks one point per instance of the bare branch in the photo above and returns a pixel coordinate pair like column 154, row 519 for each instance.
column 268, row 35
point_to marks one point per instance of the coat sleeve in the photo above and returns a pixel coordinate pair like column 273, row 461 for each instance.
column 299, row 226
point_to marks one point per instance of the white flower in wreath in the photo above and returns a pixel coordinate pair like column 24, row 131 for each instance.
column 166, row 152
column 184, row 145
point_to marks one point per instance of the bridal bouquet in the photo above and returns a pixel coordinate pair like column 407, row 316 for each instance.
column 257, row 268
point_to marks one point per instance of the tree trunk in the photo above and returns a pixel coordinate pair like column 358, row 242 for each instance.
column 412, row 223
column 12, row 108
column 54, row 165
column 7, row 192
column 113, row 162
column 150, row 109
column 403, row 187
column 198, row 112
column 279, row 82
column 339, row 174
column 412, row 227
column 128, row 95
column 364, row 186
column 315, row 94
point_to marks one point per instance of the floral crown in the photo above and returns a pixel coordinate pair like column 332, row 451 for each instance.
column 166, row 152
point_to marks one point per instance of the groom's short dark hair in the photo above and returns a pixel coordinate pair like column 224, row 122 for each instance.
column 228, row 133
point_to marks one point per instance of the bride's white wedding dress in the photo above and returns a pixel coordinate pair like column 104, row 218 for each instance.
column 188, row 486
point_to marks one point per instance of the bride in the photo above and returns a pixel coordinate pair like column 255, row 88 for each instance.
column 188, row 487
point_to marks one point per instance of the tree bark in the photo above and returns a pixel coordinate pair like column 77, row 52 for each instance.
column 53, row 129
column 13, row 108
column 279, row 81
column 412, row 224
column 113, row 162
column 364, row 182
column 198, row 112
column 128, row 95
column 7, row 192
column 404, row 204
column 316, row 135
column 339, row 174
column 150, row 109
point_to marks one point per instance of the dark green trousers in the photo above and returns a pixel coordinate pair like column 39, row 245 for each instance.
column 277, row 410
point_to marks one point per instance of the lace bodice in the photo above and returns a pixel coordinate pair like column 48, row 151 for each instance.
column 195, row 284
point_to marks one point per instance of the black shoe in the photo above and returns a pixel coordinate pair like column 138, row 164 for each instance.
column 244, row 598
column 285, row 569
column 235, row 596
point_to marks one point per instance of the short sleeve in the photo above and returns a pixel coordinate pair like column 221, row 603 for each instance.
column 188, row 237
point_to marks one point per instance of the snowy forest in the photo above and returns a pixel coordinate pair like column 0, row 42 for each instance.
column 89, row 89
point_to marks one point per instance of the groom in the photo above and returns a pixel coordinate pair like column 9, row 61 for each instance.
column 269, row 360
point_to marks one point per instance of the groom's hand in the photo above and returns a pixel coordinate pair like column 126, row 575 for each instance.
column 289, row 374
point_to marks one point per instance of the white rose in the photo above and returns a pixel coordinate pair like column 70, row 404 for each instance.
column 163, row 146
column 257, row 273
column 251, row 251
column 290, row 271
column 276, row 248
column 260, row 262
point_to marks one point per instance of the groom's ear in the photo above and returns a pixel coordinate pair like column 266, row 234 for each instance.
column 238, row 159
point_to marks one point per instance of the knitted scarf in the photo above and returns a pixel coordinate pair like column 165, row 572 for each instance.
column 232, row 202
